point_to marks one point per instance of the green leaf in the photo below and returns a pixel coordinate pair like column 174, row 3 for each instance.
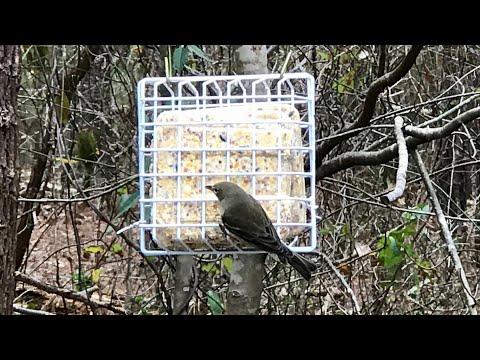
column 82, row 282
column 409, row 250
column 391, row 255
column 324, row 231
column 340, row 88
column 127, row 202
column 391, row 260
column 324, row 55
column 86, row 145
column 393, row 245
column 410, row 229
column 397, row 235
column 327, row 230
column 96, row 275
column 408, row 216
column 62, row 108
column 228, row 264
column 347, row 80
column 214, row 303
column 423, row 208
column 122, row 190
column 117, row 248
column 199, row 52
column 94, row 249
column 210, row 268
column 345, row 58
column 426, row 264
column 345, row 231
column 180, row 56
column 33, row 305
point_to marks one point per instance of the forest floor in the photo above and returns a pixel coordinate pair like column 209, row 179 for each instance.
column 109, row 271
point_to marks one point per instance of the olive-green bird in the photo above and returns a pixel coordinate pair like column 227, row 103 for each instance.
column 244, row 217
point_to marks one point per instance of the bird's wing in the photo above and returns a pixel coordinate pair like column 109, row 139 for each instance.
column 254, row 227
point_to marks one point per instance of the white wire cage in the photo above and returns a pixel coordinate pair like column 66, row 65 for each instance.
column 255, row 130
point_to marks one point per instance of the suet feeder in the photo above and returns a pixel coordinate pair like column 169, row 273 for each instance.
column 254, row 130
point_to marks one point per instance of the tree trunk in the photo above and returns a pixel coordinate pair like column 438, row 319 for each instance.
column 246, row 284
column 246, row 281
column 9, row 177
column 183, row 288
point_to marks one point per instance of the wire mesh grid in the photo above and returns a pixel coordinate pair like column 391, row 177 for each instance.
column 195, row 131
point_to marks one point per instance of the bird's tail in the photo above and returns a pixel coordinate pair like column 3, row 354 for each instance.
column 301, row 264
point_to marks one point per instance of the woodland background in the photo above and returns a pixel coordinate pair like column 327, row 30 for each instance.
column 77, row 131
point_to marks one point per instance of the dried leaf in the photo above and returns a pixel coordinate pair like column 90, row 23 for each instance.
column 345, row 269
column 362, row 249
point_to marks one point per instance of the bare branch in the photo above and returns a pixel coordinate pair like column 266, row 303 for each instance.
column 447, row 235
column 343, row 281
column 24, row 311
column 380, row 142
column 437, row 133
column 402, row 162
column 72, row 79
column 351, row 159
column 382, row 60
column 91, row 197
column 69, row 294
column 373, row 92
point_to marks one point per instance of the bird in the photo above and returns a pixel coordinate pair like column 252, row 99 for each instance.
column 243, row 217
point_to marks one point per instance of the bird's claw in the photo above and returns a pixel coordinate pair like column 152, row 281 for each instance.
column 223, row 230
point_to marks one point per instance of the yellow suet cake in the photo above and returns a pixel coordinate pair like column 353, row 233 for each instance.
column 215, row 137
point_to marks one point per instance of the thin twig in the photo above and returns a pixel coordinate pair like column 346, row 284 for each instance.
column 69, row 294
column 447, row 235
column 342, row 280
column 91, row 197
column 23, row 311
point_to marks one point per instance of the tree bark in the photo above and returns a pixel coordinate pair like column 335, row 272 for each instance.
column 246, row 284
column 9, row 178
column 246, row 281
column 183, row 290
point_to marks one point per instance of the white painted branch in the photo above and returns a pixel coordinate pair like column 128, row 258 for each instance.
column 447, row 235
column 402, row 162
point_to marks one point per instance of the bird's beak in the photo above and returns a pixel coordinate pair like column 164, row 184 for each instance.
column 209, row 187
